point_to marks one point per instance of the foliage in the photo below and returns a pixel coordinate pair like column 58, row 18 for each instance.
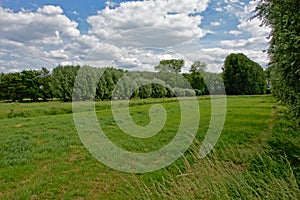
column 28, row 84
column 125, row 88
column 86, row 83
column 99, row 83
column 172, row 65
column 195, row 77
column 284, row 50
column 145, row 90
column 46, row 92
column 159, row 89
column 107, row 82
column 243, row 76
column 214, row 83
column 63, row 80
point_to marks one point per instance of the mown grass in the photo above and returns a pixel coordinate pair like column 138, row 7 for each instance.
column 42, row 157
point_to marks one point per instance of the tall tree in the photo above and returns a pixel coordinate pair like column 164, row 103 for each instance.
column 198, row 67
column 195, row 77
column 12, row 87
column 172, row 65
column 86, row 84
column 214, row 83
column 107, row 82
column 46, row 92
column 125, row 88
column 243, row 76
column 284, row 19
column 32, row 82
column 63, row 81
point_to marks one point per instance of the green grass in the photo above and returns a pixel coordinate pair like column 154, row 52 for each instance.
column 256, row 157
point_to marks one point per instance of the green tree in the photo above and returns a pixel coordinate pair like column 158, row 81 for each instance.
column 125, row 88
column 29, row 84
column 86, row 83
column 145, row 89
column 107, row 82
column 63, row 80
column 284, row 19
column 198, row 67
column 46, row 90
column 214, row 83
column 1, row 86
column 12, row 87
column 243, row 76
column 32, row 81
column 173, row 66
column 195, row 77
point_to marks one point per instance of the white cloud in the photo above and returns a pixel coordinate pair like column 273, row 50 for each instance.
column 253, row 27
column 235, row 43
column 75, row 12
column 235, row 32
column 175, row 15
column 50, row 10
column 142, row 24
column 49, row 36
column 29, row 26
column 219, row 9
column 258, row 35
column 232, row 1
column 111, row 4
column 218, row 55
column 57, row 54
column 36, row 36
column 216, row 23
column 126, row 34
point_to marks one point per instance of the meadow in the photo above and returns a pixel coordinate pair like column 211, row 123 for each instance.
column 256, row 157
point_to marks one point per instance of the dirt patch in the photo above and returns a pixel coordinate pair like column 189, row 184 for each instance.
column 76, row 156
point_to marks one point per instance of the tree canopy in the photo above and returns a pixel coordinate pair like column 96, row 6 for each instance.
column 243, row 76
column 28, row 84
column 284, row 50
column 172, row 65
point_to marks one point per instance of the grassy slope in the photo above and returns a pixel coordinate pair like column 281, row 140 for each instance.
column 41, row 155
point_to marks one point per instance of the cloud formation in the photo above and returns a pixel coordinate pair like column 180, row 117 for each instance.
column 133, row 35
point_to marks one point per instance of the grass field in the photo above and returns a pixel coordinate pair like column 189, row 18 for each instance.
column 256, row 157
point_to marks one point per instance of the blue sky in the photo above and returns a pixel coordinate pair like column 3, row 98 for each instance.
column 127, row 34
column 77, row 10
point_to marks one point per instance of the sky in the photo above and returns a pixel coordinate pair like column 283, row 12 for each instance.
column 133, row 35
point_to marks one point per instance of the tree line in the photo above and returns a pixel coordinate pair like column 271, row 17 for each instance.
column 240, row 76
column 283, row 17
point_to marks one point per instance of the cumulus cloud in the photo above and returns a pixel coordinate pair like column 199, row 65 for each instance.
column 57, row 54
column 36, row 35
column 54, row 37
column 215, row 23
column 257, row 36
column 144, row 24
column 133, row 35
column 50, row 10
column 178, row 15
column 218, row 56
column 235, row 32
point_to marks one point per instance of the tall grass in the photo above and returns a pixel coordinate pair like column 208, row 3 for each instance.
column 214, row 178
column 256, row 157
column 265, row 167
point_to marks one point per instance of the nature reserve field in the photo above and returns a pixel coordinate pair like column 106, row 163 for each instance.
column 42, row 157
